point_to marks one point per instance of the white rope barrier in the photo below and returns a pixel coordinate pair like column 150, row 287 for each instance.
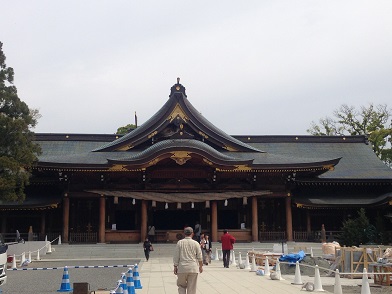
column 71, row 266
column 23, row 254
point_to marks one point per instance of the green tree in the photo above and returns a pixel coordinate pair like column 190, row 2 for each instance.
column 372, row 121
column 358, row 231
column 125, row 129
column 17, row 149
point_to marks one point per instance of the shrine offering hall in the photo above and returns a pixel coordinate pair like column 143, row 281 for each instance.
column 178, row 169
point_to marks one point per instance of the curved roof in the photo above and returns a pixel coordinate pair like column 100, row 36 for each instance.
column 186, row 145
column 177, row 107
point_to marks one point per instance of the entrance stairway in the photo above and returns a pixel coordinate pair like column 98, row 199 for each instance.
column 135, row 251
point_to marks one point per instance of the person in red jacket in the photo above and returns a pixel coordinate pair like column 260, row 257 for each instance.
column 227, row 245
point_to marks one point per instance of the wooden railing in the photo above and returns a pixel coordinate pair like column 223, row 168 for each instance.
column 303, row 236
column 298, row 236
column 272, row 236
column 83, row 237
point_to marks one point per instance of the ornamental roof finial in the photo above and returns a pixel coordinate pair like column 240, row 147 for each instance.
column 177, row 88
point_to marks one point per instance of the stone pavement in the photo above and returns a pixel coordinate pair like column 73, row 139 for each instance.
column 156, row 275
column 157, row 278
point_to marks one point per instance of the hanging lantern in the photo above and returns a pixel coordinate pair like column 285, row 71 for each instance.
column 208, row 204
column 244, row 200
column 115, row 200
column 193, row 205
column 153, row 203
column 226, row 202
column 133, row 201
column 166, row 205
column 178, row 205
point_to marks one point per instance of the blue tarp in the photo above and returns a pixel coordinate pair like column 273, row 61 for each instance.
column 293, row 257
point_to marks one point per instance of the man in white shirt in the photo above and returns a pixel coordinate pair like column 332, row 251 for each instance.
column 188, row 263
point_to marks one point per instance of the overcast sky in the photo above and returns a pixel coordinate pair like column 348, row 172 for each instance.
column 250, row 67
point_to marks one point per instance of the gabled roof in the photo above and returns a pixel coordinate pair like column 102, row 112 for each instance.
column 178, row 112
column 179, row 132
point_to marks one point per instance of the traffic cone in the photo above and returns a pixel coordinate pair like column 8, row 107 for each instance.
column 239, row 259
column 266, row 267
column 38, row 257
column 233, row 262
column 49, row 247
column 22, row 259
column 318, row 287
column 297, row 277
column 337, row 289
column 65, row 284
column 247, row 264
column 277, row 270
column 13, row 262
column 130, row 283
column 136, row 277
column 119, row 289
column 216, row 257
column 365, row 289
column 124, row 284
column 59, row 243
column 254, row 267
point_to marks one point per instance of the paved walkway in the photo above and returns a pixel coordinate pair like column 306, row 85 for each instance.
column 156, row 275
column 157, row 278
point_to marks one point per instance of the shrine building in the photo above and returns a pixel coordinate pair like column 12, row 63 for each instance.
column 177, row 169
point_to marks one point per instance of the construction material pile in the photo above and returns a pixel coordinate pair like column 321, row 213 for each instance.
column 387, row 256
column 307, row 266
column 261, row 256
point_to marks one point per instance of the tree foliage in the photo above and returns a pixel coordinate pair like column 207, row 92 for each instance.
column 372, row 121
column 125, row 129
column 17, row 149
column 358, row 231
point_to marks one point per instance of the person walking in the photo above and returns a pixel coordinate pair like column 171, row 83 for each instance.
column 197, row 231
column 207, row 250
column 151, row 233
column 203, row 247
column 227, row 245
column 147, row 246
column 187, row 262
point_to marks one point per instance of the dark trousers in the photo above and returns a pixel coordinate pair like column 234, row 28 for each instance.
column 226, row 258
column 147, row 254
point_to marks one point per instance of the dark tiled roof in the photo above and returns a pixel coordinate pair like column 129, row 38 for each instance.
column 31, row 203
column 358, row 161
column 180, row 143
column 160, row 119
column 345, row 201
column 79, row 154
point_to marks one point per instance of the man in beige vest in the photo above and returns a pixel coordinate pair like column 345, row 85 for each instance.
column 188, row 263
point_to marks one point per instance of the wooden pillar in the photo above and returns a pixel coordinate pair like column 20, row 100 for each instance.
column 289, row 219
column 143, row 223
column 65, row 218
column 214, row 221
column 43, row 223
column 308, row 223
column 102, row 218
column 255, row 220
